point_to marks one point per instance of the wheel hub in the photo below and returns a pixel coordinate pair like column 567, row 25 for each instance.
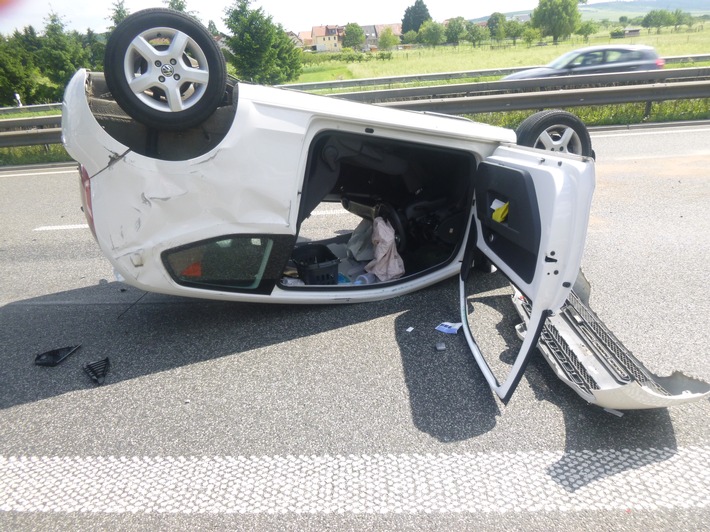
column 167, row 70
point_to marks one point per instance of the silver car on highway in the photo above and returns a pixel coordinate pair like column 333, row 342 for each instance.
column 603, row 59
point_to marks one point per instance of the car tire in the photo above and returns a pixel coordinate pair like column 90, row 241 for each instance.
column 164, row 69
column 555, row 130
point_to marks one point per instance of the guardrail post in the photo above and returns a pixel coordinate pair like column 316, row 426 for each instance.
column 647, row 111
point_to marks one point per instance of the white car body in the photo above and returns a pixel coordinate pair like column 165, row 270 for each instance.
column 243, row 186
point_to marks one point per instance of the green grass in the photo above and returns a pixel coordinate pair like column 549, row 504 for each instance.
column 607, row 115
column 325, row 72
column 53, row 153
column 28, row 114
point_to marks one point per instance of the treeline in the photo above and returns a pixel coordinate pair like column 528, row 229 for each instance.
column 558, row 19
column 34, row 67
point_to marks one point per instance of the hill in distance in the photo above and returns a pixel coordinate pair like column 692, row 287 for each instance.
column 629, row 8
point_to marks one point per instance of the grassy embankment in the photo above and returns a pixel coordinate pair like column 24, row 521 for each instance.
column 466, row 57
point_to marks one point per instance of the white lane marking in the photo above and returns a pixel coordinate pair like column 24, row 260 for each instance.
column 46, row 172
column 330, row 212
column 61, row 227
column 544, row 481
column 634, row 133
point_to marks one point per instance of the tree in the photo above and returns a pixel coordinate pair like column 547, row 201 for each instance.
column 414, row 16
column 212, row 28
column 61, row 53
column 456, row 30
column 531, row 35
column 118, row 13
column 16, row 75
column 181, row 6
column 658, row 18
column 260, row 51
column 587, row 28
column 288, row 64
column 177, row 5
column 410, row 37
column 682, row 18
column 387, row 40
column 496, row 25
column 354, row 36
column 514, row 30
column 94, row 49
column 556, row 18
column 477, row 34
column 432, row 33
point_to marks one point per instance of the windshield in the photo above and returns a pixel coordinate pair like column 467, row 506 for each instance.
column 563, row 61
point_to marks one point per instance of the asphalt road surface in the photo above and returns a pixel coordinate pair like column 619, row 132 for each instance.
column 263, row 417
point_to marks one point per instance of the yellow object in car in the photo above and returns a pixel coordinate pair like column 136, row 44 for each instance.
column 501, row 213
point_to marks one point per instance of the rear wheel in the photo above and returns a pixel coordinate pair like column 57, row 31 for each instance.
column 164, row 69
column 557, row 131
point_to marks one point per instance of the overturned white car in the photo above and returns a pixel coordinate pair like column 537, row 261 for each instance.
column 196, row 185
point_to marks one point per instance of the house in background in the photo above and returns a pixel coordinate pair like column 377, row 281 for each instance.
column 372, row 34
column 295, row 39
column 330, row 38
column 396, row 29
column 306, row 38
column 370, row 37
column 327, row 38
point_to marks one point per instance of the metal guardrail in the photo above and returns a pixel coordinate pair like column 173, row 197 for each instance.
column 558, row 82
column 33, row 130
column 466, row 98
column 563, row 98
column 395, row 80
column 33, row 137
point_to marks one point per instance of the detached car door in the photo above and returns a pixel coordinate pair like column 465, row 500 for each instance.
column 530, row 216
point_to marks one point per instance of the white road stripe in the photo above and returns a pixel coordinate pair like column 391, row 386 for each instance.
column 61, row 227
column 43, row 172
column 636, row 133
column 574, row 481
column 331, row 213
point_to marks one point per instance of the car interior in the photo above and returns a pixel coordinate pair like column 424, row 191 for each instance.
column 423, row 192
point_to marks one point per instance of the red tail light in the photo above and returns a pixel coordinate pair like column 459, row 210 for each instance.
column 86, row 198
column 660, row 62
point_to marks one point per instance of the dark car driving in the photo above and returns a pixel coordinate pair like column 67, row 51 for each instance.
column 597, row 60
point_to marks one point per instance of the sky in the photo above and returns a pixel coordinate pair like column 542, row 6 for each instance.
column 293, row 15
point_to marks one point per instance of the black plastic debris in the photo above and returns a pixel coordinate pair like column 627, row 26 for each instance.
column 98, row 370
column 55, row 356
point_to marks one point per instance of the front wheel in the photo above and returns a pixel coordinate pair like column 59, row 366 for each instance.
column 164, row 69
column 557, row 131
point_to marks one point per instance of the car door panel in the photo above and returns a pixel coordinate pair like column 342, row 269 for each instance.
column 537, row 244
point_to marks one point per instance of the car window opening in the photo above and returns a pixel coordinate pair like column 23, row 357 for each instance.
column 422, row 192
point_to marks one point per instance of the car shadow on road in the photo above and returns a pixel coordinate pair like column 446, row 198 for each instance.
column 449, row 397
column 144, row 334
column 600, row 444
column 451, row 400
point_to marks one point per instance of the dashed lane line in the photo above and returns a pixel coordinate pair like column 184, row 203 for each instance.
column 67, row 227
column 39, row 173
column 501, row 482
